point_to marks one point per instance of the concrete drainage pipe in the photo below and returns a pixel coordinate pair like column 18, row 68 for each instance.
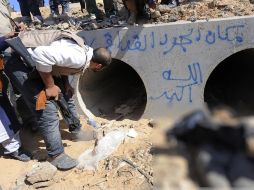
column 117, row 90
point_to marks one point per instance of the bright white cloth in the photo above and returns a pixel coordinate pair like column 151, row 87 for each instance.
column 63, row 53
column 5, row 132
column 9, row 140
column 12, row 144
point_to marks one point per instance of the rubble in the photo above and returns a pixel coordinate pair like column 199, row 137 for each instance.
column 41, row 175
column 189, row 11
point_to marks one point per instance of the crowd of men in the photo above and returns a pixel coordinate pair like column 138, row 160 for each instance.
column 136, row 8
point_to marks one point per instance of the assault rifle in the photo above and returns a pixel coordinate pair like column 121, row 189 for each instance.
column 17, row 45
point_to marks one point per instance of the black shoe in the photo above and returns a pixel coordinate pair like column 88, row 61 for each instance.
column 21, row 155
column 111, row 14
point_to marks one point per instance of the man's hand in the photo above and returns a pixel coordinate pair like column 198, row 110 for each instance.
column 52, row 92
column 69, row 91
column 11, row 35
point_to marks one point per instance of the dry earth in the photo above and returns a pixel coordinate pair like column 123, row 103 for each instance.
column 114, row 172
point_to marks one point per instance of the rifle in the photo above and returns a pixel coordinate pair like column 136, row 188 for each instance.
column 13, row 22
column 17, row 45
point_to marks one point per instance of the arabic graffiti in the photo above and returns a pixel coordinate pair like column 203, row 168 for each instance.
column 184, row 84
column 166, row 42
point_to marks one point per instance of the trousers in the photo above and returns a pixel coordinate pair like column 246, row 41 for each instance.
column 92, row 7
column 29, row 6
column 47, row 119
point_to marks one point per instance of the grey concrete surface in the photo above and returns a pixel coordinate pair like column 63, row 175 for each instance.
column 174, row 61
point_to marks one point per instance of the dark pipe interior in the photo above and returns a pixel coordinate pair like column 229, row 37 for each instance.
column 117, row 85
column 232, row 83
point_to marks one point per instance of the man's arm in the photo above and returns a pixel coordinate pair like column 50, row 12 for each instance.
column 51, row 89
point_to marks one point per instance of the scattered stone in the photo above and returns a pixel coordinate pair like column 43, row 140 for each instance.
column 192, row 19
column 155, row 14
column 173, row 18
column 41, row 172
column 65, row 25
column 164, row 9
column 94, row 26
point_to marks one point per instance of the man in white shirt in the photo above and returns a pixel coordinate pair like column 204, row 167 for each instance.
column 61, row 57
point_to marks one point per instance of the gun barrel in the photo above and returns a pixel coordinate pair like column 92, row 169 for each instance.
column 17, row 45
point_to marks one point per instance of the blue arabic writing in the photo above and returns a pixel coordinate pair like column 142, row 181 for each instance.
column 140, row 42
column 184, row 84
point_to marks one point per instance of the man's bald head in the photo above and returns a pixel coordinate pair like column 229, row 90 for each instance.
column 101, row 56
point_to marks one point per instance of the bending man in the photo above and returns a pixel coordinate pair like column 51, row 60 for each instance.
column 65, row 56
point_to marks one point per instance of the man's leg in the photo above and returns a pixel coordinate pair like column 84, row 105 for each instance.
column 9, row 131
column 59, row 81
column 92, row 8
column 53, row 4
column 109, row 8
column 48, row 121
column 132, row 8
column 34, row 9
column 65, row 6
column 48, row 124
column 25, row 12
column 73, row 110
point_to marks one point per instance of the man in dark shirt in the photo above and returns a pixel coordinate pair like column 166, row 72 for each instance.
column 9, row 128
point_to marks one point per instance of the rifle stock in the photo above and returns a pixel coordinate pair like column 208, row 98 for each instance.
column 17, row 45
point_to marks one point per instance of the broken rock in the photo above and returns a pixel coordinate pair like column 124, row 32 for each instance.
column 43, row 184
column 65, row 25
column 41, row 172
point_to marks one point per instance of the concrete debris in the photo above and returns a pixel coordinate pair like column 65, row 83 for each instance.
column 41, row 174
column 155, row 14
column 205, row 10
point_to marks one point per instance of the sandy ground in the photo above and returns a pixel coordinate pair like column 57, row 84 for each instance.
column 168, row 165
column 106, row 177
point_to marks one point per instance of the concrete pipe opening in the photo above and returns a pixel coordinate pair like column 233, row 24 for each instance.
column 232, row 83
column 116, row 92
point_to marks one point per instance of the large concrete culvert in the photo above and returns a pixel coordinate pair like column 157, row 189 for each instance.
column 232, row 83
column 117, row 89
